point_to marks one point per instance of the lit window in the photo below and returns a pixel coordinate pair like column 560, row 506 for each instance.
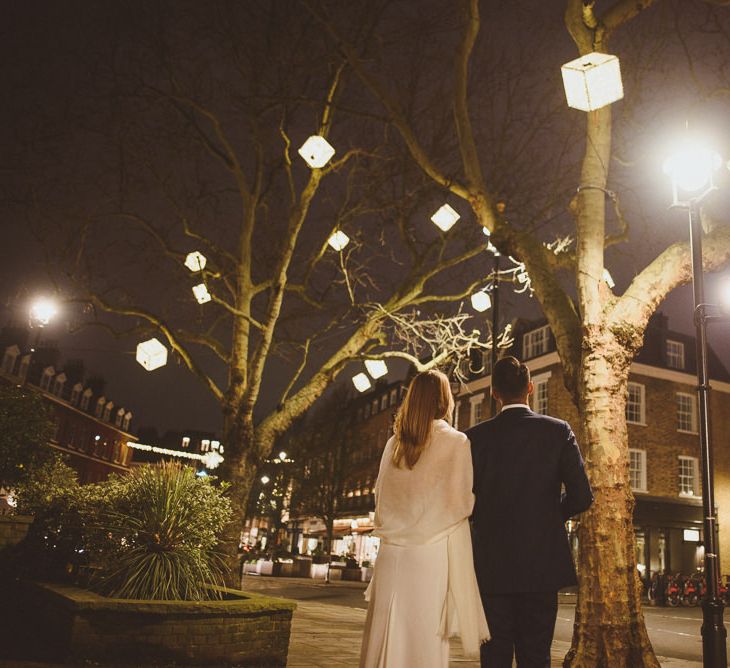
column 394, row 396
column 48, row 373
column 475, row 403
column 635, row 404
column 383, row 402
column 688, row 478
column 76, row 393
column 535, row 343
column 58, row 384
column 675, row 354
column 487, row 361
column 540, row 394
column 119, row 417
column 686, row 412
column 85, row 399
column 637, row 470
column 108, row 411
column 100, row 402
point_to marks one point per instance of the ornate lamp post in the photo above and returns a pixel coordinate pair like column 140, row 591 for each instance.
column 691, row 170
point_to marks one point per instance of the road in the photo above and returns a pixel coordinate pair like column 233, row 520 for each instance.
column 674, row 632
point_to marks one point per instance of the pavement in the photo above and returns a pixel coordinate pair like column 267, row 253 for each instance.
column 328, row 634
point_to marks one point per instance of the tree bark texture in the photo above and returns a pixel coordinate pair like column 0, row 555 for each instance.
column 609, row 629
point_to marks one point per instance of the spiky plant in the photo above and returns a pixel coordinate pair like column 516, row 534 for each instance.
column 158, row 529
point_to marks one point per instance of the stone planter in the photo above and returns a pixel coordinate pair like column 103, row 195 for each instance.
column 13, row 529
column 243, row 629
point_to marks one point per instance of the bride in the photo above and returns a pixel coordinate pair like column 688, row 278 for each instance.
column 423, row 588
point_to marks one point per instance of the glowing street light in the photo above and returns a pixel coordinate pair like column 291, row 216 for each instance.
column 201, row 293
column 445, row 217
column 691, row 167
column 592, row 81
column 316, row 151
column 361, row 382
column 195, row 261
column 338, row 240
column 42, row 311
column 481, row 301
column 265, row 479
column 376, row 368
column 691, row 171
column 151, row 354
column 282, row 456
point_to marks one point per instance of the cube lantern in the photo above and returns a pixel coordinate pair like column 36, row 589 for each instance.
column 151, row 354
column 316, row 151
column 592, row 81
column 201, row 293
column 445, row 218
column 338, row 240
column 376, row 368
column 195, row 261
column 361, row 382
column 480, row 301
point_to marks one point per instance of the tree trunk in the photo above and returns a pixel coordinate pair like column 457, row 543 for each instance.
column 609, row 627
column 238, row 469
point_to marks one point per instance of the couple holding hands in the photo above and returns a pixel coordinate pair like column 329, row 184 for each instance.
column 519, row 476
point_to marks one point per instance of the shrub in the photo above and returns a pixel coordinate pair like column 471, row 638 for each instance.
column 155, row 535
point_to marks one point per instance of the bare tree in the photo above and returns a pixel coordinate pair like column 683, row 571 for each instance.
column 187, row 138
column 597, row 331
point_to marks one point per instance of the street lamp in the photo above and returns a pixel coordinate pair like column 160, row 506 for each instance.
column 691, row 171
column 42, row 311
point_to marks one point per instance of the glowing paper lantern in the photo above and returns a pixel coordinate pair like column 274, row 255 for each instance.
column 481, row 301
column 361, row 382
column 338, row 240
column 151, row 354
column 445, row 218
column 316, row 151
column 376, row 368
column 592, row 81
column 195, row 261
column 201, row 293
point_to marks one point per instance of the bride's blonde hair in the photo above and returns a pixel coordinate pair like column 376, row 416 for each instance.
column 428, row 398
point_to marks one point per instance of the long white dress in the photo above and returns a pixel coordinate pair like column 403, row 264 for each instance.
column 424, row 588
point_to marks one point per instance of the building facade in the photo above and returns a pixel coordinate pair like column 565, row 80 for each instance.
column 664, row 450
column 90, row 429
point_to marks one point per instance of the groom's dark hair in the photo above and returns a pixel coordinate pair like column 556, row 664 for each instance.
column 510, row 378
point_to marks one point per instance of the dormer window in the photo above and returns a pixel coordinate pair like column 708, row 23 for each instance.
column 108, row 411
column 119, row 417
column 86, row 399
column 675, row 354
column 127, row 420
column 10, row 359
column 535, row 343
column 46, row 378
column 58, row 384
column 76, row 394
column 100, row 403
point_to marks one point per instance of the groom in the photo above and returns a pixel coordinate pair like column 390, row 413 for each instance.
column 521, row 551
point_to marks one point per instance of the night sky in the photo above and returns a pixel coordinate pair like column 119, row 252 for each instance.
column 56, row 59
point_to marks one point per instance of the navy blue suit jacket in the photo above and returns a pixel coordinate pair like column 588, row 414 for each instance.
column 521, row 459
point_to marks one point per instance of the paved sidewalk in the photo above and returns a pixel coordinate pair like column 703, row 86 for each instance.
column 325, row 635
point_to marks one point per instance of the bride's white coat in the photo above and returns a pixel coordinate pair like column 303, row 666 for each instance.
column 424, row 588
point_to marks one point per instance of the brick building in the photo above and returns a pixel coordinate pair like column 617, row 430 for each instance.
column 91, row 430
column 663, row 437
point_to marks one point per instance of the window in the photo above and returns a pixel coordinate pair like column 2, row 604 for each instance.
column 375, row 406
column 475, row 403
column 686, row 412
column 635, row 404
column 48, row 374
column 688, row 478
column 119, row 417
column 367, row 411
column 76, row 393
column 534, row 343
column 540, row 393
column 58, row 384
column 487, row 361
column 637, row 470
column 85, row 399
column 383, row 402
column 126, row 421
column 675, row 354
column 11, row 355
column 99, row 406
column 394, row 396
